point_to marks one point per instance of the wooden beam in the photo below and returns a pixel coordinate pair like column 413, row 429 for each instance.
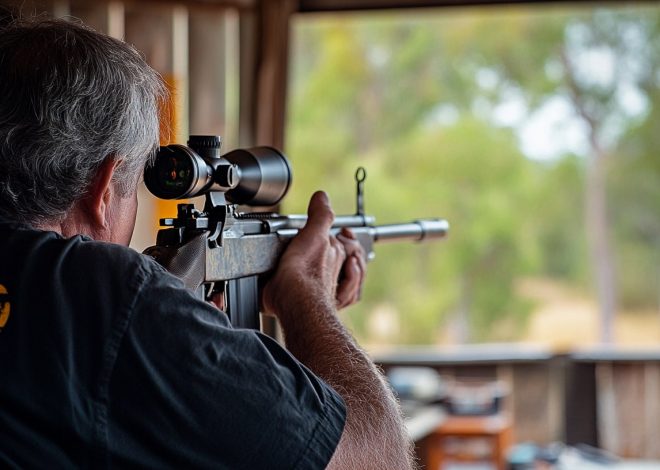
column 311, row 6
column 241, row 4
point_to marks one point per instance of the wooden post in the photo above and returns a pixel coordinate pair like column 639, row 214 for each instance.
column 580, row 404
column 264, row 42
column 264, row 36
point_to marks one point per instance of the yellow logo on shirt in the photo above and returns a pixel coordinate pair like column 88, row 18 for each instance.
column 4, row 306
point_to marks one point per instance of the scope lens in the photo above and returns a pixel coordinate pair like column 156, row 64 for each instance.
column 173, row 174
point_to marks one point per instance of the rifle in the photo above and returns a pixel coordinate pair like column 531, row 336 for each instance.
column 221, row 249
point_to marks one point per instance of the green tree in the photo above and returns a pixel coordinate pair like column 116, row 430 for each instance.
column 421, row 102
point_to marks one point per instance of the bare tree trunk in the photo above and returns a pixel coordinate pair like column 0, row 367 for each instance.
column 596, row 216
column 600, row 251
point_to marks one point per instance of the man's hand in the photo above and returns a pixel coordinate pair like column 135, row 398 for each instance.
column 317, row 265
column 317, row 274
column 353, row 272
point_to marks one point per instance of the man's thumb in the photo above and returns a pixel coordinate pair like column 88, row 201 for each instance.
column 319, row 213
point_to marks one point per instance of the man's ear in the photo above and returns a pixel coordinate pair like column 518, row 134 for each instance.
column 100, row 193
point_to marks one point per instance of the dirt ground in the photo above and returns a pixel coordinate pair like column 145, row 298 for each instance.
column 565, row 319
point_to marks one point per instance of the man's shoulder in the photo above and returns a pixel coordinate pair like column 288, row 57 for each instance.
column 78, row 257
column 109, row 256
column 118, row 268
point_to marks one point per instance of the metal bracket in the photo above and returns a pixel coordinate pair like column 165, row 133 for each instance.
column 217, row 221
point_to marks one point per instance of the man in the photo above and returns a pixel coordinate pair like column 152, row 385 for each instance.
column 105, row 359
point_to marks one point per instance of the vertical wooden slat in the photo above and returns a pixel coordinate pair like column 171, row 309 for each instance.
column 160, row 32
column 116, row 19
column 651, row 430
column 555, row 406
column 530, row 409
column 232, row 77
column 629, row 389
column 106, row 17
column 61, row 8
column 608, row 431
column 248, row 59
column 179, row 31
column 622, row 417
column 207, row 71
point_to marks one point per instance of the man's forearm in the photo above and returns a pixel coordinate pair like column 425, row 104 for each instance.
column 374, row 436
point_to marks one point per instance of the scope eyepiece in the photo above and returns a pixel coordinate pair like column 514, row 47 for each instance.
column 258, row 176
column 177, row 173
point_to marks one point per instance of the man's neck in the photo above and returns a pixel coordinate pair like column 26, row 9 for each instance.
column 70, row 225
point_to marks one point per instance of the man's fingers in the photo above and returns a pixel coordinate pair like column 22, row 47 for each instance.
column 340, row 253
column 347, row 233
column 354, row 269
column 315, row 255
column 348, row 291
column 353, row 247
column 362, row 268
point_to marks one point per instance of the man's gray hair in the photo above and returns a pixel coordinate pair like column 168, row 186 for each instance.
column 69, row 99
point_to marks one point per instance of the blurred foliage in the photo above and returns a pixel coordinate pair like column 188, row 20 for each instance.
column 417, row 100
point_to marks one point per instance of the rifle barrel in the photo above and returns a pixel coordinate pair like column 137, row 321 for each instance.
column 417, row 230
column 298, row 221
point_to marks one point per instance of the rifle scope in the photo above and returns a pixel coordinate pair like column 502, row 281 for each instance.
column 258, row 176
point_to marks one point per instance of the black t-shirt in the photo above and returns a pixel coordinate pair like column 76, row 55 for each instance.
column 106, row 360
